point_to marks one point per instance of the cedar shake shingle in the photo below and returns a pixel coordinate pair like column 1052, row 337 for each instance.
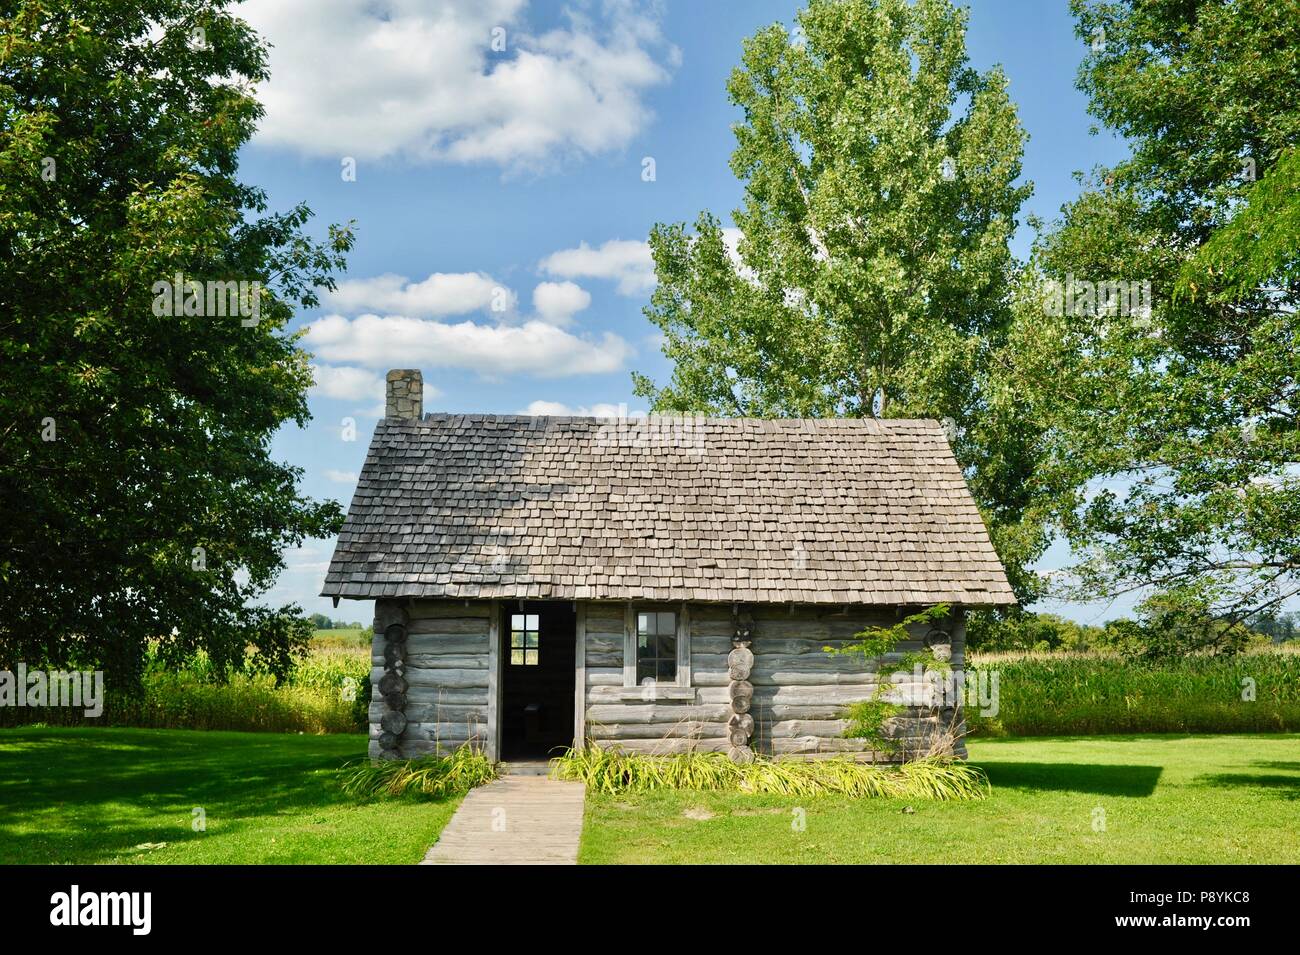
column 807, row 511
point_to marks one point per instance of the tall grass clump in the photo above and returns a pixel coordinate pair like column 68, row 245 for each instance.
column 431, row 777
column 611, row 770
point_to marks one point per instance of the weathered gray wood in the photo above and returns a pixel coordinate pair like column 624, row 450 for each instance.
column 683, row 729
column 448, row 678
column 629, row 646
column 426, row 609
column 817, row 744
column 447, row 625
column 662, row 712
column 667, row 747
column 493, row 731
column 604, row 676
column 795, row 728
column 436, row 712
column 430, row 695
column 580, row 678
column 637, row 694
column 447, row 643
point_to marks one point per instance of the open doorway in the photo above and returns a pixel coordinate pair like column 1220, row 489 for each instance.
column 537, row 673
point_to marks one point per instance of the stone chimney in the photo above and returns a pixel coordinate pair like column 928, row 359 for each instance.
column 404, row 397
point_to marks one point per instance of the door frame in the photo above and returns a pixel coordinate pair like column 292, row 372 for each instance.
column 496, row 674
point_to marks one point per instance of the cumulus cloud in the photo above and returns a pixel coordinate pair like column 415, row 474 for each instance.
column 558, row 302
column 441, row 294
column 599, row 410
column 533, row 347
column 421, row 79
column 340, row 477
column 627, row 262
column 349, row 383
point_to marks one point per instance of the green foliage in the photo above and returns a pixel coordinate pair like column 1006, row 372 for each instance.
column 867, row 718
column 328, row 691
column 870, row 269
column 1020, row 630
column 142, row 505
column 876, row 642
column 1074, row 694
column 612, row 770
column 1171, row 438
column 428, row 777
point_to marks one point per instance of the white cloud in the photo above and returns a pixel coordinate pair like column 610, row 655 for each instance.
column 419, row 79
column 348, row 383
column 625, row 261
column 600, row 410
column 533, row 347
column 441, row 294
column 340, row 477
column 558, row 302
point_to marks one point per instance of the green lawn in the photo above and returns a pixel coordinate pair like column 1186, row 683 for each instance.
column 1163, row 799
column 128, row 795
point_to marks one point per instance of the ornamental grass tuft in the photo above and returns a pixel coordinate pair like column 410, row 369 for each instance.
column 613, row 770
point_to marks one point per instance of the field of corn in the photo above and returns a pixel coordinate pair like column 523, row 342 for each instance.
column 1039, row 694
column 1061, row 693
column 328, row 692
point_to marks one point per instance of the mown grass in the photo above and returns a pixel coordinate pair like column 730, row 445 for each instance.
column 1117, row 799
column 1078, row 693
column 76, row 795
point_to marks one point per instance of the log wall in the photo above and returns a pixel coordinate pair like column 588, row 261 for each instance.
column 798, row 699
column 446, row 672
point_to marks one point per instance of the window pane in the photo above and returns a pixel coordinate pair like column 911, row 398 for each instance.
column 645, row 671
column 532, row 622
column 645, row 647
column 531, row 641
column 667, row 623
column 667, row 671
column 531, row 657
column 643, row 623
column 516, row 621
column 667, row 647
column 517, row 657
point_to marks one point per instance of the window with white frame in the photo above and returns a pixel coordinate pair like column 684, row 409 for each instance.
column 524, row 649
column 656, row 647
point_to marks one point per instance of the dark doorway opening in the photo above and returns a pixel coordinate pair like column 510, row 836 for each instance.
column 538, row 641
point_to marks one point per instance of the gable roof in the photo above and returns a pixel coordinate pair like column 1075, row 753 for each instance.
column 807, row 511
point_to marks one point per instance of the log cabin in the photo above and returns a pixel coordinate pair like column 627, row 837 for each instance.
column 659, row 584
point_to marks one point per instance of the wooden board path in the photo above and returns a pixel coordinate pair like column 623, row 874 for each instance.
column 515, row 820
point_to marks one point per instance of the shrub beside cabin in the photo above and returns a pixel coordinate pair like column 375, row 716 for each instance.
column 662, row 585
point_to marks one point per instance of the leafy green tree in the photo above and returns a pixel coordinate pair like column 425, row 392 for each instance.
column 141, row 501
column 869, row 270
column 1171, row 431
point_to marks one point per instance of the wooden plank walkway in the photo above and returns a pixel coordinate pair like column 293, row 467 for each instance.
column 515, row 820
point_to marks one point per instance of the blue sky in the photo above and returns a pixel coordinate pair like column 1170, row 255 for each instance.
column 499, row 201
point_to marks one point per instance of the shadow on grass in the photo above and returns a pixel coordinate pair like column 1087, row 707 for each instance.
column 93, row 794
column 1096, row 778
column 1285, row 787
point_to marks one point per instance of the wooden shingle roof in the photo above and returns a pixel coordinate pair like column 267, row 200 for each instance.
column 807, row 511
